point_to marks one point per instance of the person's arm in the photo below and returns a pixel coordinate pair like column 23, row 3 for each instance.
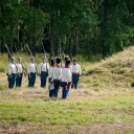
column 69, row 76
column 9, row 71
column 61, row 77
column 47, row 66
column 28, row 71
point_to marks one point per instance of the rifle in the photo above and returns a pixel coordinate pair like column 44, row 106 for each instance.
column 11, row 56
column 32, row 55
column 24, row 71
column 46, row 58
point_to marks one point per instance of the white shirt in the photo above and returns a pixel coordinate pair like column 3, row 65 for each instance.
column 57, row 73
column 31, row 68
column 66, row 75
column 76, row 69
column 11, row 69
column 51, row 72
column 63, row 66
column 43, row 67
column 20, row 68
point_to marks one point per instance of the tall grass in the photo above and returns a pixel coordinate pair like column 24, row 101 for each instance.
column 26, row 59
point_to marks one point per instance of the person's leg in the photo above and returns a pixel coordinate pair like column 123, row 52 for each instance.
column 57, row 88
column 34, row 79
column 45, row 79
column 50, row 93
column 20, row 80
column 13, row 79
column 68, row 90
column 63, row 93
column 73, row 80
column 10, row 82
column 30, row 81
column 42, row 79
column 77, row 80
column 17, row 81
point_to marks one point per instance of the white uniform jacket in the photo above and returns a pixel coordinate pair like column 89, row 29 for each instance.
column 51, row 72
column 20, row 68
column 43, row 67
column 57, row 73
column 51, row 75
column 66, row 75
column 76, row 69
column 31, row 68
column 11, row 69
column 63, row 66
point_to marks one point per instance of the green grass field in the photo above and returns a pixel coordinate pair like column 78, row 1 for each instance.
column 103, row 103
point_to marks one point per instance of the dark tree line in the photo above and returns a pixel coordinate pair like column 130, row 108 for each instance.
column 86, row 27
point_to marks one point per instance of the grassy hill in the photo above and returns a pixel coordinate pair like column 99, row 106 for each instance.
column 103, row 104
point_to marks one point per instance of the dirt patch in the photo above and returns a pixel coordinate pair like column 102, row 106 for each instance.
column 82, row 85
column 3, row 77
column 42, row 129
column 101, row 129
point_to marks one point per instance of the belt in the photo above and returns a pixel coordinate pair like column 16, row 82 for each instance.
column 75, row 73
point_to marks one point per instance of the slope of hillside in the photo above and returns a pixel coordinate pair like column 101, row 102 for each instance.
column 115, row 71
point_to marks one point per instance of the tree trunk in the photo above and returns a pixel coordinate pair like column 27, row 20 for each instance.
column 70, row 46
column 105, row 19
column 17, row 35
column 2, row 45
column 33, row 46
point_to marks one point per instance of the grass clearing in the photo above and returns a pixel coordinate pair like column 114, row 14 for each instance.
column 102, row 110
column 104, row 102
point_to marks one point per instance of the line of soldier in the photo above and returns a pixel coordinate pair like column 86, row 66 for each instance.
column 59, row 76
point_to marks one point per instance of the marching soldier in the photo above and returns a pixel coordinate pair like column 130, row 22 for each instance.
column 65, row 59
column 43, row 71
column 76, row 73
column 50, row 75
column 57, row 77
column 12, row 71
column 31, row 70
column 66, row 76
column 20, row 70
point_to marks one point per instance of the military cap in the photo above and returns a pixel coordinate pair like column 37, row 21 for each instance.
column 66, row 57
column 32, row 58
column 52, row 61
column 19, row 58
column 58, row 60
column 68, row 61
column 12, row 58
column 74, row 59
column 43, row 57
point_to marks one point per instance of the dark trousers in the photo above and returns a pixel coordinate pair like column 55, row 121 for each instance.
column 51, row 93
column 65, row 92
column 19, row 80
column 43, row 79
column 32, row 80
column 56, row 90
column 11, row 81
column 75, row 80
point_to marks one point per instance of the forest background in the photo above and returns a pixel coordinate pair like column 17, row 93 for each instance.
column 86, row 27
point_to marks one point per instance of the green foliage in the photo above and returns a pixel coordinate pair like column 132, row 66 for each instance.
column 87, row 27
